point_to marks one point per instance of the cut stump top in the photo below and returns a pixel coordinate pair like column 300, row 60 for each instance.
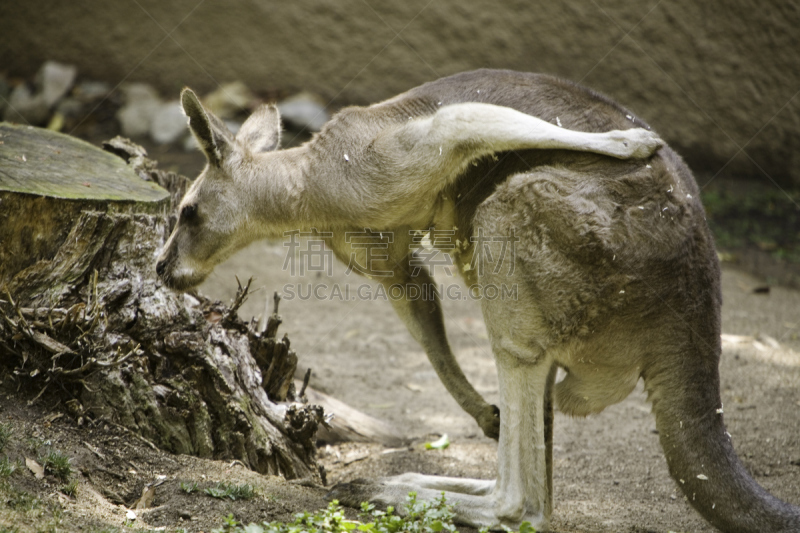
column 46, row 163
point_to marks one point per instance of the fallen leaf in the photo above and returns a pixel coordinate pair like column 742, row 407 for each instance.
column 146, row 500
column 213, row 316
column 736, row 339
column 56, row 122
column 36, row 468
column 440, row 444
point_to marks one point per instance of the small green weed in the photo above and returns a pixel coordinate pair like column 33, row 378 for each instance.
column 58, row 464
column 234, row 492
column 70, row 489
column 20, row 500
column 7, row 467
column 5, row 435
column 421, row 517
column 34, row 443
column 189, row 488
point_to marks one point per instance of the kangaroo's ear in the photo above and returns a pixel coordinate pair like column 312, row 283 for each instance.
column 261, row 131
column 212, row 135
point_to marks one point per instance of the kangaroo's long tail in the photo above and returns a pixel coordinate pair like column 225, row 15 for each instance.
column 699, row 452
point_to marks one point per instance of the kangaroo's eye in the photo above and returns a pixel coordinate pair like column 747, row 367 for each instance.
column 189, row 212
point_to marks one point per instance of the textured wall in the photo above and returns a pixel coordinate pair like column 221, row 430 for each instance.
column 712, row 77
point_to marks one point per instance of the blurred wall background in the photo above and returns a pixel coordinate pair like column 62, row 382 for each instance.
column 719, row 80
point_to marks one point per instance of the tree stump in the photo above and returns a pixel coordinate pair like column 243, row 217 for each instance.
column 82, row 308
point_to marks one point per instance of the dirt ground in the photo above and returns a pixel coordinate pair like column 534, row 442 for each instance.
column 609, row 472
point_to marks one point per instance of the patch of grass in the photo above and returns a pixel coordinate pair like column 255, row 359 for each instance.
column 5, row 435
column 766, row 219
column 421, row 517
column 130, row 528
column 189, row 488
column 28, row 512
column 57, row 464
column 35, row 443
column 7, row 467
column 233, row 492
column 70, row 489
column 19, row 500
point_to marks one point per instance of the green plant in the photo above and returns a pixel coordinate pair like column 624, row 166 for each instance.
column 189, row 488
column 767, row 219
column 57, row 464
column 5, row 435
column 421, row 517
column 20, row 500
column 234, row 492
column 7, row 467
column 34, row 443
column 70, row 489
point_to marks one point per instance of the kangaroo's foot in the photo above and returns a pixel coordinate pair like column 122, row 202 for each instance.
column 636, row 143
column 473, row 500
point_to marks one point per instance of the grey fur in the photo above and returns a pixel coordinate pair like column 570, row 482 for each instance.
column 616, row 270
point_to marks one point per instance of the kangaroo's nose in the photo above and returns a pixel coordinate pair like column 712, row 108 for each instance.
column 161, row 266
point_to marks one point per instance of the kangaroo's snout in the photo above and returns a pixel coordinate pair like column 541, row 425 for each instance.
column 161, row 267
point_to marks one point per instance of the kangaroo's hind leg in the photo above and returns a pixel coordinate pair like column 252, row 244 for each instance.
column 475, row 129
column 522, row 491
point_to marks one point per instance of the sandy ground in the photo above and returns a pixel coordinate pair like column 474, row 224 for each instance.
column 609, row 474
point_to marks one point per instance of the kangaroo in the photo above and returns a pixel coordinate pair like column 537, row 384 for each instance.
column 615, row 268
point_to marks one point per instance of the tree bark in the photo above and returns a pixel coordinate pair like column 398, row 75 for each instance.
column 84, row 317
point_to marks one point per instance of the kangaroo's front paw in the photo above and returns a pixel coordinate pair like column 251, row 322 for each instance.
column 489, row 421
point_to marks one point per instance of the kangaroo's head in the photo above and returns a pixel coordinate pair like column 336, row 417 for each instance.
column 214, row 216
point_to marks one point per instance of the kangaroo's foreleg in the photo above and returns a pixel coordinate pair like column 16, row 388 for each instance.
column 421, row 312
column 423, row 318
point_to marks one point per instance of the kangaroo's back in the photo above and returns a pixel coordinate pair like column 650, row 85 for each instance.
column 573, row 107
column 546, row 97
